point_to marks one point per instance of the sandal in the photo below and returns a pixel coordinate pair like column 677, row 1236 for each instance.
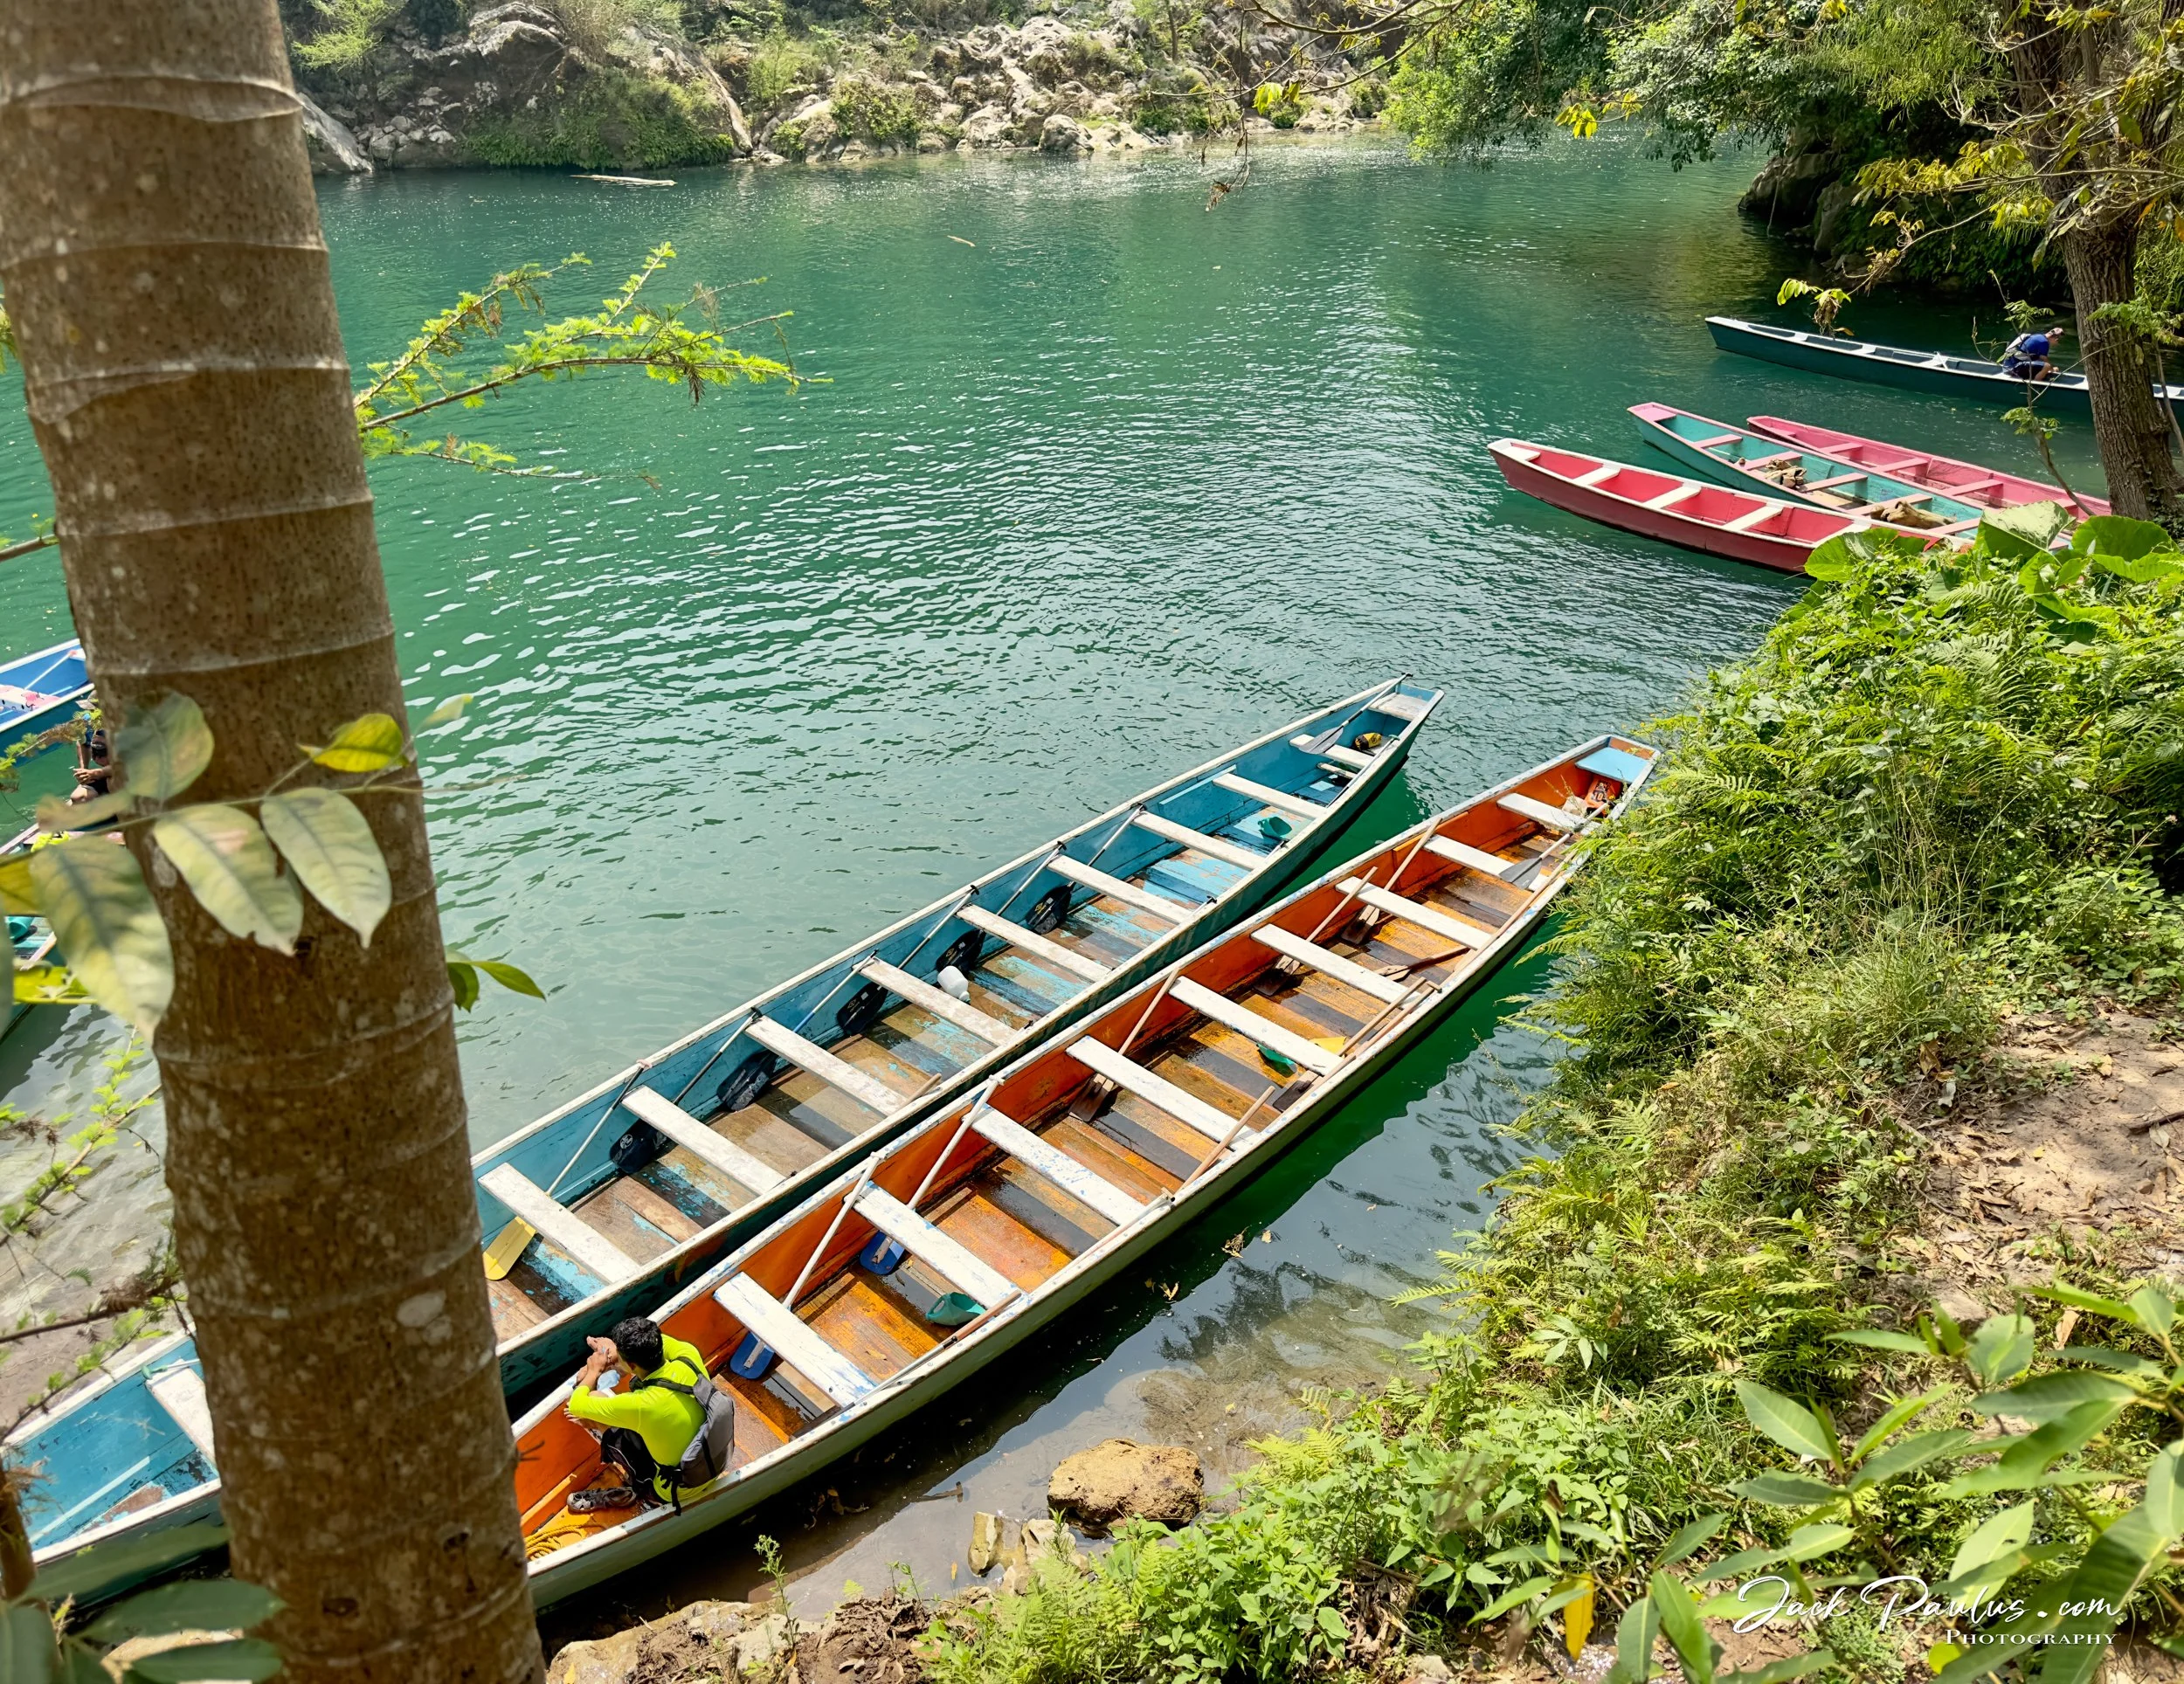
column 599, row 1497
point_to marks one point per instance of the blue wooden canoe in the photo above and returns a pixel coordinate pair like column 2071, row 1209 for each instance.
column 1754, row 462
column 37, row 692
column 634, row 1188
column 1893, row 365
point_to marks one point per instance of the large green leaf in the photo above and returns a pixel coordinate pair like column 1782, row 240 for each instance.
column 1635, row 1634
column 27, row 1651
column 1894, row 1416
column 2050, row 1396
column 248, row 1658
column 47, row 985
column 1681, row 1625
column 103, row 917
column 129, row 1558
column 2025, row 529
column 2120, row 537
column 448, row 710
column 163, row 748
column 2000, row 1349
column 329, row 846
column 2025, row 1461
column 363, row 745
column 1785, row 1489
column 2146, row 570
column 192, row 1604
column 1790, row 1425
column 2155, row 1309
column 1914, row 1452
column 512, row 978
column 18, row 893
column 1810, row 1542
column 1688, row 1538
column 230, row 866
column 2089, row 1604
column 1509, row 1598
column 1832, row 561
column 2115, row 1309
column 2000, row 1538
column 55, row 815
column 1883, row 1339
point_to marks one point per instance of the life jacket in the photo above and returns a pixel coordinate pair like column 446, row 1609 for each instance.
column 713, row 1447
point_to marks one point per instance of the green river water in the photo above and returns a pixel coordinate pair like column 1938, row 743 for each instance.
column 1096, row 481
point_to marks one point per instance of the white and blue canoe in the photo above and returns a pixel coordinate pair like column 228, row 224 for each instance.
column 631, row 1190
column 38, row 691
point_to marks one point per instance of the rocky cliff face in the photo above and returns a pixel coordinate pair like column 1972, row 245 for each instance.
column 513, row 88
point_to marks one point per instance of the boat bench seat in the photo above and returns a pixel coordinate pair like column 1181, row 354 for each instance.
column 930, row 1246
column 835, row 1073
column 707, row 1145
column 945, row 1006
column 180, row 1392
column 1328, row 962
column 1416, row 912
column 558, row 1223
column 1032, row 942
column 1252, row 1025
column 1130, row 894
column 1297, row 806
column 1477, row 858
column 1539, row 812
column 1133, row 1078
column 1353, row 758
column 1213, row 846
column 1082, row 1184
column 780, row 1329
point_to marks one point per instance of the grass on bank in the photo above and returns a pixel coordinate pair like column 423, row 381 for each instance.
column 1941, row 788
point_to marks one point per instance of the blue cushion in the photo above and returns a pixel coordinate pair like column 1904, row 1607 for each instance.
column 1617, row 763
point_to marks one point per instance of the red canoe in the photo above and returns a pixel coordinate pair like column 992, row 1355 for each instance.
column 1967, row 480
column 1711, row 519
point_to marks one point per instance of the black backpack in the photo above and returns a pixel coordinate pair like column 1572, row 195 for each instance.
column 713, row 1448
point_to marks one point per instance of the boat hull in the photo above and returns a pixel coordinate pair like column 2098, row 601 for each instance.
column 1907, row 370
column 1946, row 473
column 1733, row 456
column 544, row 1354
column 40, row 691
column 577, row 1567
column 1785, row 552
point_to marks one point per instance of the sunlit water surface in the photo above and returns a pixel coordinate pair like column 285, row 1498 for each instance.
column 1090, row 482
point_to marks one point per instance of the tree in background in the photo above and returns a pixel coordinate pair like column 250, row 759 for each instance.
column 225, row 580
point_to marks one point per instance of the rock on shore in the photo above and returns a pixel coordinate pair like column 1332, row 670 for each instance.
column 1119, row 1479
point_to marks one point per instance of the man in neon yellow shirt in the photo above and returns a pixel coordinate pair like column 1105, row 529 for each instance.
column 645, row 1424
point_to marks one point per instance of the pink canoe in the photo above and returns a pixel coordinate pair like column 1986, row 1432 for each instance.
column 1711, row 519
column 1967, row 481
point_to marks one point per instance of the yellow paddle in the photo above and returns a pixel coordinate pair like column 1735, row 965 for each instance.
column 507, row 1248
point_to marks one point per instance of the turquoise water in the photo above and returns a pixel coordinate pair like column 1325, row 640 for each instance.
column 1089, row 481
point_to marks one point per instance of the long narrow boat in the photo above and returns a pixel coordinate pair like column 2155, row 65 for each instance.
column 632, row 1188
column 40, row 691
column 907, row 1275
column 1966, row 481
column 1895, row 365
column 1691, row 514
column 1765, row 466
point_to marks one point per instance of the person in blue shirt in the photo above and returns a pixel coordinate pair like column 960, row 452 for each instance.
column 2028, row 355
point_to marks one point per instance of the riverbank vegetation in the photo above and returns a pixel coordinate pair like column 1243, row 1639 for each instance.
column 1940, row 798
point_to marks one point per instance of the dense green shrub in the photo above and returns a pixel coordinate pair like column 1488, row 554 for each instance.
column 781, row 61
column 1944, row 785
column 1181, row 101
column 612, row 118
column 872, row 111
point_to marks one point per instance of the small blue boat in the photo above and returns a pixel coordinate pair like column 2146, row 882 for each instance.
column 40, row 691
column 611, row 1204
column 1895, row 365
column 1754, row 462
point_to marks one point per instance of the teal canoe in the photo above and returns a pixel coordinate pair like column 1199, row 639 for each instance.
column 1896, row 365
column 1752, row 462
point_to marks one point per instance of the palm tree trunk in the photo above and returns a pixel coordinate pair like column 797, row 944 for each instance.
column 161, row 256
column 2128, row 423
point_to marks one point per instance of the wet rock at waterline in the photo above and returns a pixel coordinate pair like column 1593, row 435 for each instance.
column 729, row 1637
column 1120, row 1480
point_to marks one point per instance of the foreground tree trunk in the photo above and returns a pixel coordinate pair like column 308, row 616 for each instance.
column 162, row 257
column 2128, row 420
